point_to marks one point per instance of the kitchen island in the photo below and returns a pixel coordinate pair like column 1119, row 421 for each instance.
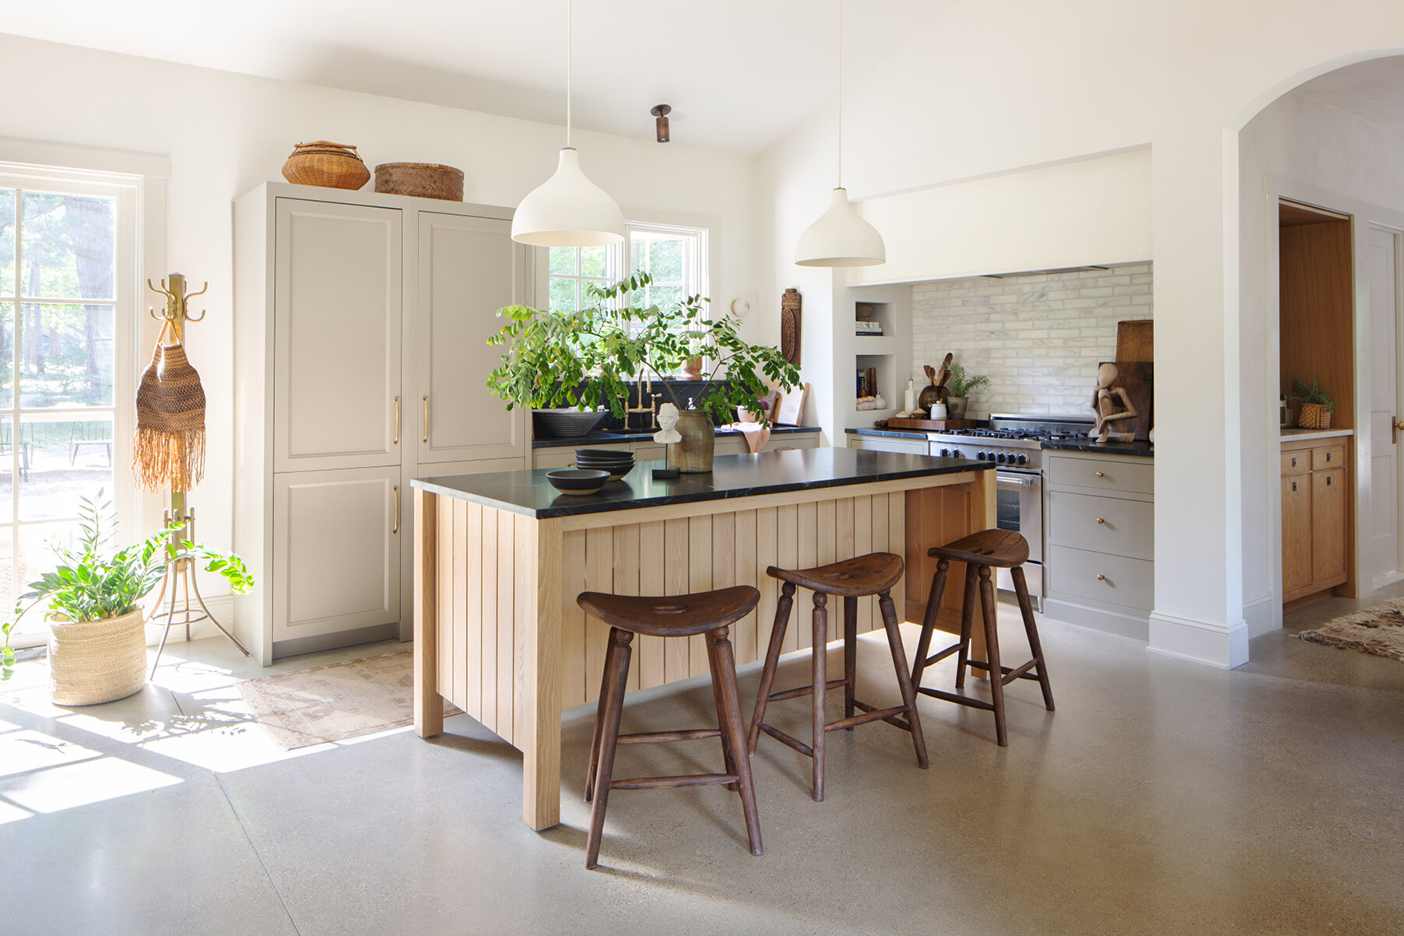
column 499, row 559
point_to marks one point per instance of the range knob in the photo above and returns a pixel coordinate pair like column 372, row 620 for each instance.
column 1001, row 458
column 980, row 456
column 1022, row 460
column 945, row 453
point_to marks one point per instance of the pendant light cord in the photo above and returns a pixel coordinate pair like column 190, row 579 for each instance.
column 570, row 32
column 840, row 93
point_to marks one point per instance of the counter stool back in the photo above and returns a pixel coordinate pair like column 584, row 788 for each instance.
column 982, row 551
column 851, row 579
column 708, row 613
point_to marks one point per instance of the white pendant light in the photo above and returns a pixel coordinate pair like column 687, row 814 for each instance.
column 568, row 210
column 840, row 238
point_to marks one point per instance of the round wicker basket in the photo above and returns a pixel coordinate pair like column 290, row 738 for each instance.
column 96, row 661
column 330, row 165
column 423, row 180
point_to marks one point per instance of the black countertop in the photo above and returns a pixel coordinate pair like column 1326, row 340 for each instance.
column 530, row 494
column 602, row 436
column 1143, row 449
column 889, row 433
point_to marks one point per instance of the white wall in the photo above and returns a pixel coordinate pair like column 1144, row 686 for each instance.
column 226, row 133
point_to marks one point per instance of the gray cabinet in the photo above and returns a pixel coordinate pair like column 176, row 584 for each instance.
column 915, row 445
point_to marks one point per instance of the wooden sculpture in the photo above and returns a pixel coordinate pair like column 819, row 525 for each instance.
column 1111, row 405
column 790, row 326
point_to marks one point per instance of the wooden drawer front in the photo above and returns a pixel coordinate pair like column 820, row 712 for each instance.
column 1109, row 524
column 1102, row 475
column 1328, row 456
column 1297, row 461
column 1081, row 575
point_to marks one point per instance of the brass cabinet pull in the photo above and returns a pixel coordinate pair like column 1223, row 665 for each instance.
column 396, row 528
column 1100, row 520
column 426, row 419
column 1101, row 578
column 1100, row 475
column 397, row 421
column 1394, row 426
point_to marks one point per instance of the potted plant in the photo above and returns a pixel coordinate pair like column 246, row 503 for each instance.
column 97, row 638
column 961, row 385
column 1317, row 406
column 586, row 358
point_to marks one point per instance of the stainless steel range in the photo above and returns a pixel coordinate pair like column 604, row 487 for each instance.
column 1014, row 444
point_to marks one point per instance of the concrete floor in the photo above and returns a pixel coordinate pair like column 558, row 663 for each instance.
column 1162, row 797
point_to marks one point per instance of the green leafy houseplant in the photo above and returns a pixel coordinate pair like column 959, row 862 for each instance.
column 1311, row 392
column 962, row 384
column 587, row 358
column 89, row 584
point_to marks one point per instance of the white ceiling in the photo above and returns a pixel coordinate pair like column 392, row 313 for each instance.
column 739, row 73
column 1373, row 91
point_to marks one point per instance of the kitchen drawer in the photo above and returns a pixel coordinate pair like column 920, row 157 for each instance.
column 1296, row 461
column 913, row 446
column 1085, row 576
column 1103, row 475
column 1109, row 524
column 1328, row 456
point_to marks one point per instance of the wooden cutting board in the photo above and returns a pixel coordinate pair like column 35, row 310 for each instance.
column 930, row 425
column 1135, row 341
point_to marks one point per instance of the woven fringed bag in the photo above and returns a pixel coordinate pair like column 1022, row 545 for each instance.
column 169, row 448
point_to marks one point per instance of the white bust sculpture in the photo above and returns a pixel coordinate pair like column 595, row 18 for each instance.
column 667, row 419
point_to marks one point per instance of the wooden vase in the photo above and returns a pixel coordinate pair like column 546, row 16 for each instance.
column 694, row 453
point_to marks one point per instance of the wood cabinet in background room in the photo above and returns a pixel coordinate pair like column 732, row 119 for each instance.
column 360, row 325
column 1315, row 517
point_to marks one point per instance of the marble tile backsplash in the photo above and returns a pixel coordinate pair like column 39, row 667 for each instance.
column 1038, row 336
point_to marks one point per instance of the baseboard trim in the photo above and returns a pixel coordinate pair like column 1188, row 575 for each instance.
column 1199, row 641
column 1257, row 614
column 1123, row 625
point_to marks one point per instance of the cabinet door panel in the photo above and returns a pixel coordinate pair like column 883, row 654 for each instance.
column 1328, row 539
column 1296, row 532
column 337, row 320
column 468, row 269
column 336, row 550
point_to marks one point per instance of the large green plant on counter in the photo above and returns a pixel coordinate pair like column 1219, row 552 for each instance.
column 588, row 358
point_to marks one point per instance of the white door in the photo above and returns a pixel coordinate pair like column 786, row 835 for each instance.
column 468, row 269
column 336, row 330
column 1385, row 482
column 336, row 550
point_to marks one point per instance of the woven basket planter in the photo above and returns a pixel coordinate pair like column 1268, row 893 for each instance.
column 330, row 165
column 97, row 661
column 1314, row 416
column 422, row 180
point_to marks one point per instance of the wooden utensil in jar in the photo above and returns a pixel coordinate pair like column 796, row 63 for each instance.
column 929, row 394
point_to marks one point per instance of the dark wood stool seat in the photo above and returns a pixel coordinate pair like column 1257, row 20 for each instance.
column 851, row 579
column 1000, row 549
column 709, row 613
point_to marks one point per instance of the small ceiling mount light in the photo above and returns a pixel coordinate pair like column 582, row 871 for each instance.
column 661, row 111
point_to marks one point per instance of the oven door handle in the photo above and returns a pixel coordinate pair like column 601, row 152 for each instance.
column 1022, row 480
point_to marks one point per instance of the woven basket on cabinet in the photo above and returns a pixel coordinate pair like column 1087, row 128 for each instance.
column 331, row 165
column 1314, row 416
column 97, row 661
column 423, row 180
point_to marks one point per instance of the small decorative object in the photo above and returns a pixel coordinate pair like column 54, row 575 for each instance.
column 1284, row 415
column 578, row 481
column 935, row 391
column 661, row 111
column 879, row 402
column 1317, row 406
column 422, row 180
column 961, row 385
column 568, row 423
column 790, row 304
column 692, row 367
column 665, row 474
column 938, row 410
column 1110, row 405
column 667, row 420
column 908, row 399
column 739, row 307
column 696, row 446
column 97, row 641
column 863, row 311
column 330, row 165
column 791, row 408
column 618, row 464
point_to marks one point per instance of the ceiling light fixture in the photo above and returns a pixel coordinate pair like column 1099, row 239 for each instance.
column 840, row 238
column 568, row 210
column 661, row 111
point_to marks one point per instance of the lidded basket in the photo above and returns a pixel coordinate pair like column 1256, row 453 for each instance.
column 330, row 165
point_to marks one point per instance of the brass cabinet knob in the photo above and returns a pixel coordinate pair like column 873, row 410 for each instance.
column 1101, row 578
column 1100, row 520
column 1100, row 475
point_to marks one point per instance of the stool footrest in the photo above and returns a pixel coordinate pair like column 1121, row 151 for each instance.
column 1010, row 674
column 937, row 658
column 802, row 691
column 658, row 783
column 891, row 720
column 958, row 699
column 650, row 737
column 869, row 715
column 785, row 739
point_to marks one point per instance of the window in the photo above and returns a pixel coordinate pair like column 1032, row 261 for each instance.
column 66, row 261
column 676, row 258
column 574, row 268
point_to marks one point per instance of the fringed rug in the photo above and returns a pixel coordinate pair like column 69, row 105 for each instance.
column 1378, row 630
column 336, row 701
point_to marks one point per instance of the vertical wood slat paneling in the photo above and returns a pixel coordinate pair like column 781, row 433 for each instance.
column 897, row 542
column 506, row 622
column 599, row 577
column 462, row 637
column 443, row 599
column 767, row 555
column 573, row 691
column 524, row 620
column 650, row 655
column 626, row 582
column 806, row 557
column 489, row 620
column 744, row 572
column 675, row 582
column 699, row 579
column 473, row 607
column 787, row 555
column 862, row 545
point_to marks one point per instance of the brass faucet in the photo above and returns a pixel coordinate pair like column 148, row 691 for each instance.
column 646, row 387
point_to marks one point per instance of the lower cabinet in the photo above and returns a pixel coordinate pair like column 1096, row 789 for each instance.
column 914, row 445
column 1315, row 517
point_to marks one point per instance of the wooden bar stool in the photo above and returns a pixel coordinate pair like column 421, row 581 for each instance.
column 708, row 613
column 1002, row 549
column 851, row 579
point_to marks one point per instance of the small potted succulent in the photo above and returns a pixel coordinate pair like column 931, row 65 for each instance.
column 97, row 637
column 961, row 385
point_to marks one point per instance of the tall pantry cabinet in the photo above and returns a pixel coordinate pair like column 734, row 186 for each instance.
column 360, row 328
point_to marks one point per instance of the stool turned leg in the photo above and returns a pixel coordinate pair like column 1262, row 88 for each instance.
column 967, row 613
column 904, row 679
column 733, row 733
column 819, row 661
column 987, row 606
column 772, row 659
column 928, row 624
column 712, row 663
column 1021, row 590
column 616, row 677
column 850, row 654
column 597, row 733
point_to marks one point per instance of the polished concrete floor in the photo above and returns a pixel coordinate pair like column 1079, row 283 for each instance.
column 1162, row 797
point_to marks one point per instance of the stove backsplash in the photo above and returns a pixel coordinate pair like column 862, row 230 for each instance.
column 1038, row 336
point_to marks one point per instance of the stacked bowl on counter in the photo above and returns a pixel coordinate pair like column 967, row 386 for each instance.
column 617, row 463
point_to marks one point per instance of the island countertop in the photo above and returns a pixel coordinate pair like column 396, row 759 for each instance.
column 530, row 494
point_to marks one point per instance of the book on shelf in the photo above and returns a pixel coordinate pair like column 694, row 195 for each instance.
column 867, row 328
column 867, row 382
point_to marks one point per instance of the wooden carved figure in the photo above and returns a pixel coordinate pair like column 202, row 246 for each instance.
column 1110, row 405
column 790, row 326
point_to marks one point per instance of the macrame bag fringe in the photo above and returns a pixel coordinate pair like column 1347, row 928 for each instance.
column 168, row 449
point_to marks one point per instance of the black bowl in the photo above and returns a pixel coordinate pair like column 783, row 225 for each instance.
column 577, row 481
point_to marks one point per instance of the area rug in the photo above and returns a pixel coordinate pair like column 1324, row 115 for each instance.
column 1378, row 630
column 336, row 701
